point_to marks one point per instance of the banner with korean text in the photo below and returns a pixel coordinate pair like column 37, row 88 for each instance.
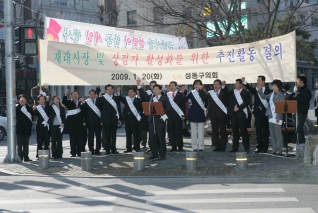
column 72, row 64
column 73, row 32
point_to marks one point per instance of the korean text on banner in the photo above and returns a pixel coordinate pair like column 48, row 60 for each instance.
column 71, row 64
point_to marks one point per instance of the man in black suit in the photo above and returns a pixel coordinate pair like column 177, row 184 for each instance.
column 145, row 97
column 157, row 125
column 92, row 119
column 42, row 125
column 75, row 123
column 109, row 106
column 237, row 110
column 176, row 116
column 217, row 112
column 261, row 120
column 24, row 116
column 132, row 119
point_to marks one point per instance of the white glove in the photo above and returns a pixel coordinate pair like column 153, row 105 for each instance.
column 295, row 89
column 164, row 117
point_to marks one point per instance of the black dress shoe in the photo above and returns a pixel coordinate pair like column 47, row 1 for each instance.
column 161, row 158
column 234, row 150
column 98, row 153
column 107, row 153
column 216, row 150
column 27, row 160
column 264, row 151
column 181, row 150
column 173, row 150
column 127, row 151
column 153, row 157
column 114, row 152
column 222, row 150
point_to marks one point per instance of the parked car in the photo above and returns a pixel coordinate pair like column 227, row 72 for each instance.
column 3, row 127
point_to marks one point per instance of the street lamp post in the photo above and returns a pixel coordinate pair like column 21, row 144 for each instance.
column 10, row 82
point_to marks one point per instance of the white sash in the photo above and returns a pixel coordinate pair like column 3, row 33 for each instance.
column 149, row 92
column 44, row 116
column 264, row 101
column 174, row 105
column 58, row 115
column 199, row 100
column 25, row 111
column 218, row 101
column 240, row 101
column 113, row 103
column 93, row 107
column 272, row 105
column 133, row 108
column 73, row 112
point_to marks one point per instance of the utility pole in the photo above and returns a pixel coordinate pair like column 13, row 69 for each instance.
column 10, row 82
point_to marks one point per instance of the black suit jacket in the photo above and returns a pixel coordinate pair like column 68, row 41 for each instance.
column 24, row 124
column 39, row 125
column 246, row 100
column 316, row 103
column 166, row 107
column 91, row 117
column 257, row 102
column 128, row 115
column 178, row 99
column 74, row 123
column 53, row 114
column 108, row 113
column 214, row 111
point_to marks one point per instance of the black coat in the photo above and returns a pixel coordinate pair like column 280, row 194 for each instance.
column 108, row 113
column 128, row 115
column 214, row 111
column 52, row 115
column 303, row 99
column 246, row 100
column 178, row 99
column 91, row 117
column 39, row 125
column 24, row 124
column 74, row 123
column 166, row 107
column 257, row 102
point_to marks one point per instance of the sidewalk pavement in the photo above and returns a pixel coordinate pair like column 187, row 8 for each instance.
column 209, row 163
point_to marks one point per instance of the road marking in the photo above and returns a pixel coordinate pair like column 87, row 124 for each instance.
column 58, row 200
column 226, row 200
column 214, row 191
column 63, row 210
column 280, row 210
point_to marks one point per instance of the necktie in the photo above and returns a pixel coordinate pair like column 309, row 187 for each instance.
column 157, row 98
column 43, row 107
column 76, row 103
column 173, row 95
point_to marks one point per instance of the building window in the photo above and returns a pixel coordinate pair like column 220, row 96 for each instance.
column 314, row 21
column 78, row 4
column 289, row 3
column 158, row 15
column 132, row 17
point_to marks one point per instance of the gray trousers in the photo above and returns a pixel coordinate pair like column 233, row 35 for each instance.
column 276, row 137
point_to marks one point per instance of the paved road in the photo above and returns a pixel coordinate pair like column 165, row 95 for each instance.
column 145, row 195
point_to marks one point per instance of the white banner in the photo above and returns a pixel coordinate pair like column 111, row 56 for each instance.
column 98, row 35
column 71, row 64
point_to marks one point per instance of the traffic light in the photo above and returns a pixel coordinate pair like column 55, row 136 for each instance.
column 28, row 41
